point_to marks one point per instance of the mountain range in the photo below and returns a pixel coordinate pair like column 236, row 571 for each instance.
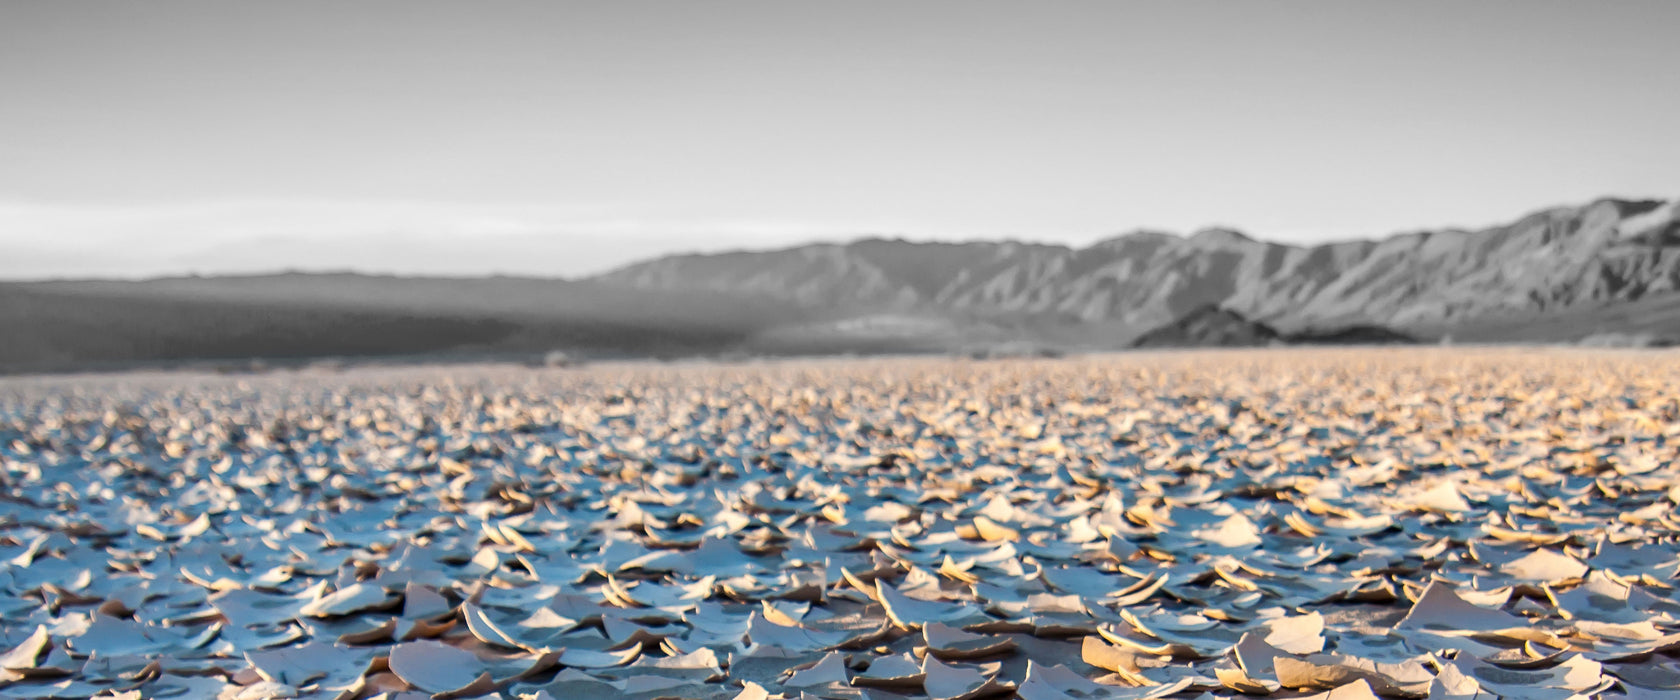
column 1610, row 251
column 1561, row 274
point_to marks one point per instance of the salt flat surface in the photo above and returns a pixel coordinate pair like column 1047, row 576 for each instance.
column 1436, row 523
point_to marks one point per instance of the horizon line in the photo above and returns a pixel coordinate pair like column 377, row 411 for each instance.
column 829, row 241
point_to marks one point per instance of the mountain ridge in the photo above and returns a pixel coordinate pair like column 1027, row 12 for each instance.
column 1144, row 232
column 1599, row 251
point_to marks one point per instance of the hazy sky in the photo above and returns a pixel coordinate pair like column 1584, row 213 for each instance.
column 147, row 137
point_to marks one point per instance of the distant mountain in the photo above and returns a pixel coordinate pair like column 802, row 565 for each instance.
column 1562, row 274
column 1607, row 252
column 94, row 324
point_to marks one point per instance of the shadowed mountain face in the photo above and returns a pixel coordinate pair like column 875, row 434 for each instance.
column 1212, row 326
column 1562, row 274
column 1606, row 252
column 1209, row 326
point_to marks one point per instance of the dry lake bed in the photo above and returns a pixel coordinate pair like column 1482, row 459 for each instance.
column 1345, row 524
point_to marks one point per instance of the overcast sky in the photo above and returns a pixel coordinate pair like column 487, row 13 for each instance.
column 141, row 138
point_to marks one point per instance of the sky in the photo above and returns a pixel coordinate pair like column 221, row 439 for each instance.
column 559, row 138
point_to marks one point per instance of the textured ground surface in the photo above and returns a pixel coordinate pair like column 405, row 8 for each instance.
column 1344, row 524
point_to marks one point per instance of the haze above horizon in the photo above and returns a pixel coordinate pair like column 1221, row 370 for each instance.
column 564, row 138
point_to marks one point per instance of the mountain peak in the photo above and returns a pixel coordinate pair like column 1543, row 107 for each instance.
column 1633, row 207
column 1219, row 236
column 1141, row 235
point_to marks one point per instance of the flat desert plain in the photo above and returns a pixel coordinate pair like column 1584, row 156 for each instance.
column 1347, row 524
